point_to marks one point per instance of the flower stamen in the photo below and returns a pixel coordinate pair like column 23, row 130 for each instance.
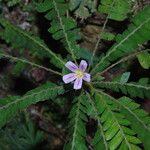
column 79, row 73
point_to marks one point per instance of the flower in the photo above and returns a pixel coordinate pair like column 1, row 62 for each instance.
column 78, row 74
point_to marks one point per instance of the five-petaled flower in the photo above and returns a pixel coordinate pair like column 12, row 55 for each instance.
column 78, row 74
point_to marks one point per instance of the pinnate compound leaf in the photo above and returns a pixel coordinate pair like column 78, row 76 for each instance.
column 137, row 33
column 132, row 89
column 99, row 141
column 140, row 120
column 62, row 28
column 116, row 128
column 11, row 105
column 77, row 124
column 21, row 40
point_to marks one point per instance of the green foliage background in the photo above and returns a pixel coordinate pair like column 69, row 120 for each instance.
column 120, row 123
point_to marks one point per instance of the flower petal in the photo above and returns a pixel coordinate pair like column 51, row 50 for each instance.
column 71, row 66
column 87, row 77
column 69, row 77
column 78, row 84
column 83, row 65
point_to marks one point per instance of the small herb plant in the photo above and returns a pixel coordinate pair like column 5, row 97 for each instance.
column 121, row 124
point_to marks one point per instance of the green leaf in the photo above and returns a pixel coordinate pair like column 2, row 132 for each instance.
column 116, row 9
column 107, row 36
column 125, row 77
column 137, row 33
column 99, row 141
column 77, row 128
column 133, row 89
column 9, row 107
column 116, row 128
column 62, row 28
column 82, row 8
column 140, row 120
column 74, row 4
column 20, row 39
column 144, row 60
column 143, row 81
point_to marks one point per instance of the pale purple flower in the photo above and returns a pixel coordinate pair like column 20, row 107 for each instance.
column 78, row 74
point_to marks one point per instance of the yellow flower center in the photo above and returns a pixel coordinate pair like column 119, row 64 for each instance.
column 79, row 73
